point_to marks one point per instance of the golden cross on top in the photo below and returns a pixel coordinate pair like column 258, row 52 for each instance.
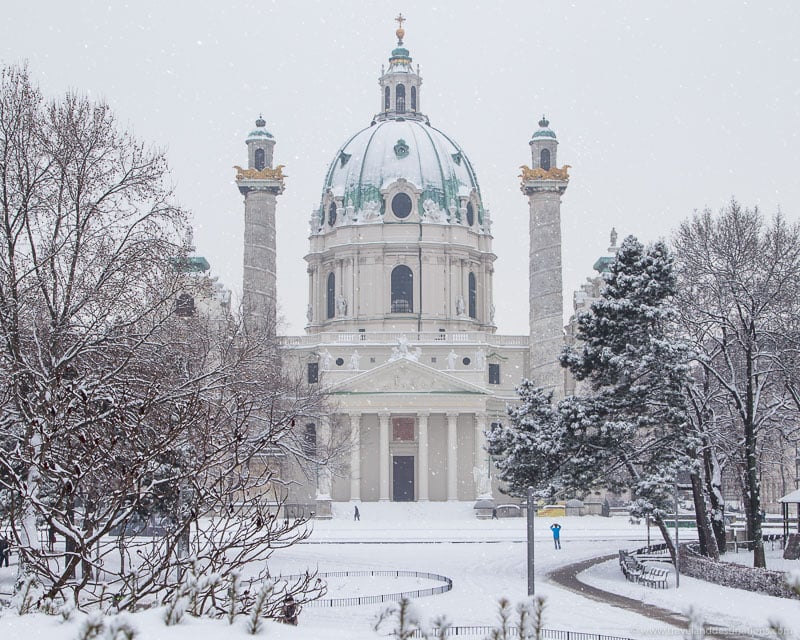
column 400, row 19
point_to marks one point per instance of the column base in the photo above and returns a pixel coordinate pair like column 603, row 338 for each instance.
column 324, row 511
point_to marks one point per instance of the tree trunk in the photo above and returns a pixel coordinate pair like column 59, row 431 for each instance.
column 70, row 547
column 751, row 469
column 708, row 542
column 662, row 527
column 753, row 499
column 28, row 533
column 713, row 476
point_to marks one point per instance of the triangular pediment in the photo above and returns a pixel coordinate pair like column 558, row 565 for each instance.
column 406, row 376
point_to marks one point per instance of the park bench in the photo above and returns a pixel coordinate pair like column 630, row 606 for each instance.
column 655, row 577
column 640, row 573
column 631, row 568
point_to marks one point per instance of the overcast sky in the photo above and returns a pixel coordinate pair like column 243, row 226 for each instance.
column 660, row 108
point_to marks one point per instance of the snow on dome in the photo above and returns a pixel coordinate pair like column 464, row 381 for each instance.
column 544, row 130
column 378, row 156
column 260, row 132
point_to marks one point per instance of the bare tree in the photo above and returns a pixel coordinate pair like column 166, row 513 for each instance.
column 714, row 446
column 739, row 279
column 149, row 442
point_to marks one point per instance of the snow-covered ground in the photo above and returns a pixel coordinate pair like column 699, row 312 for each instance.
column 486, row 560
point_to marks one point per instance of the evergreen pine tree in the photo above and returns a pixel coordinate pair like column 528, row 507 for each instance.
column 527, row 451
column 629, row 428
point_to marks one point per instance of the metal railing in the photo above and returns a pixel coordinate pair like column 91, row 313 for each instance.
column 546, row 634
column 388, row 597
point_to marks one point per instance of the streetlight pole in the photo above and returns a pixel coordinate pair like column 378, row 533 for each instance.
column 677, row 543
column 682, row 487
column 531, row 584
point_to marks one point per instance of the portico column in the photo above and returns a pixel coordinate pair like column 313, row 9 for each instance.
column 355, row 456
column 323, row 509
column 324, row 475
column 452, row 456
column 383, row 455
column 422, row 493
column 483, row 484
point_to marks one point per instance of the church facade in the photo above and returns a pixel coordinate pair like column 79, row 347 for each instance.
column 401, row 316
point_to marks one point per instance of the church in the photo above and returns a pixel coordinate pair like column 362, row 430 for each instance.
column 400, row 325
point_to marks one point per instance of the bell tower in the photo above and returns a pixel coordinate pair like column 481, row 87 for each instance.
column 544, row 184
column 260, row 185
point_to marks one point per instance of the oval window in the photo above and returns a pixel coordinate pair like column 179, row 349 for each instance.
column 401, row 205
column 339, row 362
column 470, row 214
column 466, row 361
column 332, row 214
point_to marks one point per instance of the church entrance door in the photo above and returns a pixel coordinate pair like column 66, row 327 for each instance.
column 403, row 478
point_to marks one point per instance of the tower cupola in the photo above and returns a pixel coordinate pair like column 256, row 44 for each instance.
column 260, row 144
column 400, row 84
column 544, row 145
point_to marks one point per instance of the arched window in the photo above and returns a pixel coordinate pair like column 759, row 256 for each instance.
column 332, row 214
column 544, row 159
column 259, row 159
column 387, row 98
column 402, row 290
column 413, row 98
column 400, row 96
column 473, row 296
column 470, row 214
column 331, row 296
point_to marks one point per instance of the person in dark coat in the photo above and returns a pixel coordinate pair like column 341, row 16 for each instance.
column 51, row 538
column 4, row 550
column 289, row 614
column 556, row 529
column 356, row 513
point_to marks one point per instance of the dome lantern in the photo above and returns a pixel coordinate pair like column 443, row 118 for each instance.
column 400, row 84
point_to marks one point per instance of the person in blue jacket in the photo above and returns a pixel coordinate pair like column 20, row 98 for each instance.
column 556, row 529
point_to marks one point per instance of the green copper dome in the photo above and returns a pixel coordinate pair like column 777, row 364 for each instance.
column 260, row 132
column 402, row 149
column 544, row 130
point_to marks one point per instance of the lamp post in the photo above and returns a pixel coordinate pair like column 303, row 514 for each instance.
column 677, row 543
column 678, row 486
column 531, row 585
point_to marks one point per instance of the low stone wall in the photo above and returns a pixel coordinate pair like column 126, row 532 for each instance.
column 732, row 575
